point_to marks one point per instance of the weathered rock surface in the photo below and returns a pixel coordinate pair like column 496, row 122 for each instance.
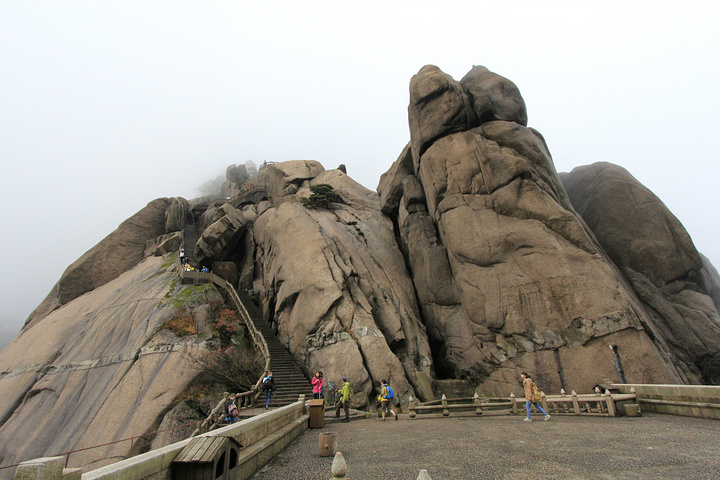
column 222, row 235
column 659, row 259
column 341, row 298
column 508, row 277
column 472, row 263
column 93, row 371
column 115, row 254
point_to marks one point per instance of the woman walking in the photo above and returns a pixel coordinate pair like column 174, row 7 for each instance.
column 532, row 396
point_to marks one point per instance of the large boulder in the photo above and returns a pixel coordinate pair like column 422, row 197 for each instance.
column 286, row 178
column 508, row 275
column 336, row 288
column 221, row 236
column 177, row 215
column 658, row 257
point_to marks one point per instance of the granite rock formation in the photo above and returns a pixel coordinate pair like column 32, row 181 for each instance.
column 96, row 370
column 658, row 258
column 471, row 263
column 508, row 275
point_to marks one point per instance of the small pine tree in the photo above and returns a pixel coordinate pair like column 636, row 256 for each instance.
column 323, row 195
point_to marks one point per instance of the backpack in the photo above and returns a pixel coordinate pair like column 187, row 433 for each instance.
column 267, row 384
column 535, row 395
column 389, row 394
column 350, row 392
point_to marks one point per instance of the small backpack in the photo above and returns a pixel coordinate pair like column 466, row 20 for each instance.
column 535, row 395
column 267, row 383
column 389, row 394
column 350, row 392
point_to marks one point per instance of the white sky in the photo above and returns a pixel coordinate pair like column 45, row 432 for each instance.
column 105, row 106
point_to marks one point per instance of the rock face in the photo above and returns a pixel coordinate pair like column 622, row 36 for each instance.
column 507, row 274
column 94, row 371
column 659, row 259
column 336, row 286
column 471, row 263
column 115, row 254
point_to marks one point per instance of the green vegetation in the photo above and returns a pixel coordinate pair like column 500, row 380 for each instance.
column 323, row 195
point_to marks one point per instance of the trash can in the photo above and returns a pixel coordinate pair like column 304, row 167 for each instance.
column 328, row 444
column 317, row 413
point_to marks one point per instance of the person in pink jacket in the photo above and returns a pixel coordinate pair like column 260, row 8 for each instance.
column 317, row 383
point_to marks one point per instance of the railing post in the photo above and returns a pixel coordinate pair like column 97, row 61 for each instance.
column 576, row 404
column 446, row 411
column 411, row 407
column 478, row 407
column 513, row 404
column 610, row 403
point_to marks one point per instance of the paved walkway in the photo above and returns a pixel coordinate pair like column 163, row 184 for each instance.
column 501, row 446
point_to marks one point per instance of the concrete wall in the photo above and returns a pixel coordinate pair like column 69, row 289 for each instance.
column 699, row 401
column 262, row 437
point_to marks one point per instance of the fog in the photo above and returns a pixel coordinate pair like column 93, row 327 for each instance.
column 107, row 106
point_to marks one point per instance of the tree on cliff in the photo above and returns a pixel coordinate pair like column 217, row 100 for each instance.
column 323, row 195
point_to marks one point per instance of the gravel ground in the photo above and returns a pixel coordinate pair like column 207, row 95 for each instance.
column 502, row 446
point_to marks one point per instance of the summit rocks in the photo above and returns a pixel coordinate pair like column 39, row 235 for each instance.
column 472, row 262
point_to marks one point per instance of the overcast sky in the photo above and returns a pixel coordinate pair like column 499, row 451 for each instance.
column 105, row 106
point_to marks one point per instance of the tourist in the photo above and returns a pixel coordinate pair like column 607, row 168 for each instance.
column 231, row 411
column 532, row 396
column 268, row 386
column 386, row 396
column 344, row 400
column 317, row 384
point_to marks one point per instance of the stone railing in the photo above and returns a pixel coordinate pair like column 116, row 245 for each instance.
column 700, row 401
column 261, row 437
column 598, row 403
column 258, row 339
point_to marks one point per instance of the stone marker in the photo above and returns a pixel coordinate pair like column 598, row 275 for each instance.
column 339, row 467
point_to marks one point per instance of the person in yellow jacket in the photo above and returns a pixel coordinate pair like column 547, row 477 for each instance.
column 343, row 400
column 385, row 400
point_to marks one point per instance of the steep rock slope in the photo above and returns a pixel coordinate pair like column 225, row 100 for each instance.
column 120, row 251
column 659, row 259
column 93, row 371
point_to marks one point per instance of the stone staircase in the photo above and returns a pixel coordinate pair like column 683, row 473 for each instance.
column 290, row 380
column 189, row 241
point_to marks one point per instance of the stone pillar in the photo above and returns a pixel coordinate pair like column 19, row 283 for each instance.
column 424, row 475
column 446, row 411
column 478, row 407
column 576, row 403
column 513, row 404
column 610, row 403
column 411, row 407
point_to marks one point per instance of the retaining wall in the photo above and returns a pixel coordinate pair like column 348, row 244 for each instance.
column 261, row 437
column 700, row 401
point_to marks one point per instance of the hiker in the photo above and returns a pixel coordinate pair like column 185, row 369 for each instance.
column 386, row 396
column 532, row 396
column 344, row 400
column 317, row 383
column 268, row 386
column 231, row 410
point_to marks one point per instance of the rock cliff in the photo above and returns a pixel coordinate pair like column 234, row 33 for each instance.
column 474, row 260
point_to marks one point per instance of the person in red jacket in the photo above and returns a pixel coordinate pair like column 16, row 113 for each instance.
column 317, row 383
